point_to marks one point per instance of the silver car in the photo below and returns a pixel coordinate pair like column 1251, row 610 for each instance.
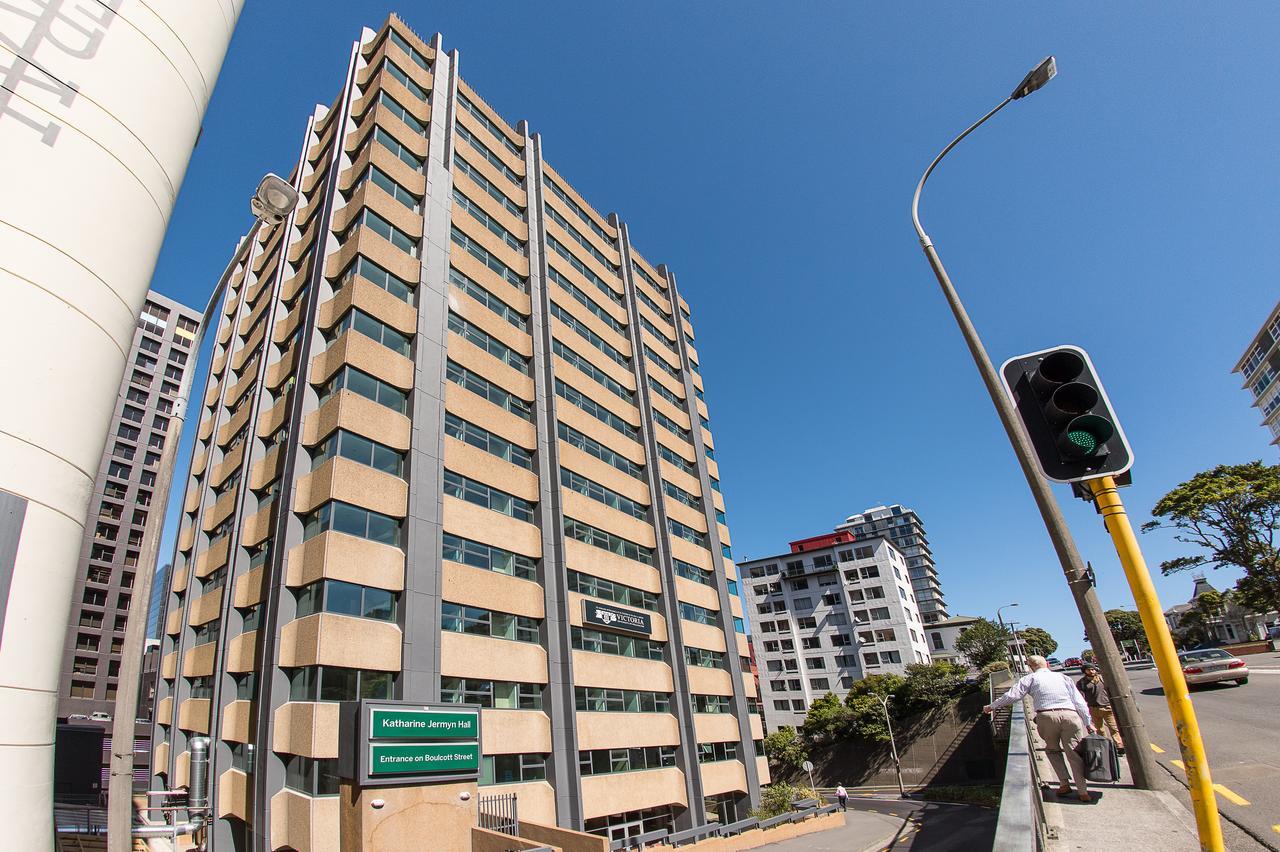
column 1212, row 665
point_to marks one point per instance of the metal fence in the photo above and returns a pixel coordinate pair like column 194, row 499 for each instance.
column 1021, row 824
column 79, row 819
column 499, row 813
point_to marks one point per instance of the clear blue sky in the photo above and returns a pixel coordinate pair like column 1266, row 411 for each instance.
column 767, row 152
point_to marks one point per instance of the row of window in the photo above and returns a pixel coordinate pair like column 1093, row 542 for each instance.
column 493, row 225
column 608, row 590
column 586, row 301
column 559, row 192
column 586, row 639
column 589, row 369
column 596, row 410
column 490, row 301
column 490, row 156
column 482, row 387
column 488, row 497
column 489, row 558
column 481, row 338
column 595, row 491
column 594, row 448
column 588, row 335
column 458, row 618
column 488, row 186
column 483, row 255
column 483, row 439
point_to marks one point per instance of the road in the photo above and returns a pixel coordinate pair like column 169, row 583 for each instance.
column 1241, row 730
column 934, row 826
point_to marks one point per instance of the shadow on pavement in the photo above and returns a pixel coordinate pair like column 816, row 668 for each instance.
column 953, row 828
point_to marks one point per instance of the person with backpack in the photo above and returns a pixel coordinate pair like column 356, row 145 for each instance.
column 1062, row 718
column 842, row 797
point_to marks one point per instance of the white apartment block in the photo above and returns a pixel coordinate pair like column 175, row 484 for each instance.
column 833, row 610
column 904, row 528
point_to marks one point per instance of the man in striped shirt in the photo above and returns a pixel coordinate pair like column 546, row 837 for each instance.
column 1062, row 718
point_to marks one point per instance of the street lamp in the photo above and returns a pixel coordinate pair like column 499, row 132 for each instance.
column 271, row 204
column 893, row 745
column 1017, row 664
column 1141, row 763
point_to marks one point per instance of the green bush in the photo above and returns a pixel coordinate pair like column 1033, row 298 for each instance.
column 786, row 747
column 776, row 799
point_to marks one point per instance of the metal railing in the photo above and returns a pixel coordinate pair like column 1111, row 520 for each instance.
column 79, row 819
column 1021, row 825
column 500, row 813
column 803, row 810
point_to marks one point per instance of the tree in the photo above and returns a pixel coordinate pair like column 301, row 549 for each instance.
column 1126, row 626
column 827, row 721
column 786, row 747
column 866, row 712
column 929, row 685
column 984, row 642
column 1038, row 641
column 1233, row 514
column 1194, row 625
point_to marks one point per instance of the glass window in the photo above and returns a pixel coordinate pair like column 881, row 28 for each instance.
column 360, row 449
column 479, row 555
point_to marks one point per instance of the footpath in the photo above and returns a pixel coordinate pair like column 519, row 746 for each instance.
column 1120, row 817
column 862, row 832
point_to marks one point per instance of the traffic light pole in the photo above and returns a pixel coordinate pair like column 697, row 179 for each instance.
column 1185, row 726
column 1132, row 729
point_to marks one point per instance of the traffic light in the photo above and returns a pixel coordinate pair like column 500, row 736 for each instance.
column 1066, row 414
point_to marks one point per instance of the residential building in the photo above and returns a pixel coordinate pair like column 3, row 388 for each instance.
column 1259, row 365
column 829, row 612
column 452, row 412
column 943, row 635
column 122, row 505
column 904, row 528
column 1233, row 623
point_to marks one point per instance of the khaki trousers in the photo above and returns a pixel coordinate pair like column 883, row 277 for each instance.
column 1104, row 719
column 1062, row 731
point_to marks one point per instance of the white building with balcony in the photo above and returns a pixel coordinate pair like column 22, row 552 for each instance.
column 833, row 610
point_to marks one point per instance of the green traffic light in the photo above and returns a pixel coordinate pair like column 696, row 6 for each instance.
column 1086, row 441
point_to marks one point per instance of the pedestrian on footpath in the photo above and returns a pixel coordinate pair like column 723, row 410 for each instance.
column 1094, row 690
column 842, row 796
column 1062, row 717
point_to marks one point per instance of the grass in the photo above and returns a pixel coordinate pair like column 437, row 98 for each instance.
column 986, row 795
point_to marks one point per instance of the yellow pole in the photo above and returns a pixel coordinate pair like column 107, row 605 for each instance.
column 1166, row 660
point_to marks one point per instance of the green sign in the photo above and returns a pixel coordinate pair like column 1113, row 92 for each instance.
column 424, row 758
column 410, row 724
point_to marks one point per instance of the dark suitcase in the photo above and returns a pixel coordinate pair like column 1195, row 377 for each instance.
column 1101, row 761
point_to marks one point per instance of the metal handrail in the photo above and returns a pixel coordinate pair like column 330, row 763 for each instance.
column 1021, row 825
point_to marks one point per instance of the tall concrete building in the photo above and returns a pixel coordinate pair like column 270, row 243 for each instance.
column 454, row 448
column 904, row 528
column 1260, row 365
column 123, row 503
column 832, row 610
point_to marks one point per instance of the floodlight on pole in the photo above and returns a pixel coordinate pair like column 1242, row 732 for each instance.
column 273, row 200
column 1036, row 78
column 271, row 204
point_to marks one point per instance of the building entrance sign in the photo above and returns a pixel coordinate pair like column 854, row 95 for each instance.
column 401, row 743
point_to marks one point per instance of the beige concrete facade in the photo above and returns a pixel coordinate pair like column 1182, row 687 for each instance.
column 431, row 447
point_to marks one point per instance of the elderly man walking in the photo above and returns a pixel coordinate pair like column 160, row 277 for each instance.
column 1062, row 718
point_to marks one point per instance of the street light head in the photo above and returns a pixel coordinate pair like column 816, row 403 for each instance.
column 1036, row 78
column 274, row 200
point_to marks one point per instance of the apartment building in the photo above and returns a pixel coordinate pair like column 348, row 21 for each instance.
column 454, row 448
column 829, row 612
column 904, row 528
column 122, row 505
column 1259, row 366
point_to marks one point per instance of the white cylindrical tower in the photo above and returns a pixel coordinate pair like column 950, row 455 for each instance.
column 100, row 107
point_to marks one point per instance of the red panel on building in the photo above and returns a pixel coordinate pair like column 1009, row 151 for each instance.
column 818, row 542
